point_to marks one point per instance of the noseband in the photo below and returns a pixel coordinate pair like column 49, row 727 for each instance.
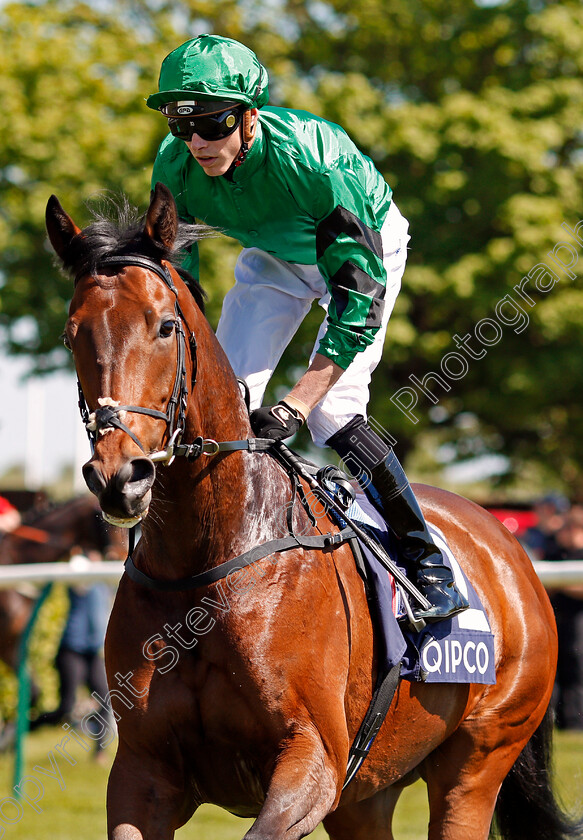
column 107, row 416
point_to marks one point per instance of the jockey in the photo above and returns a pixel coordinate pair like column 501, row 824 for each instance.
column 316, row 222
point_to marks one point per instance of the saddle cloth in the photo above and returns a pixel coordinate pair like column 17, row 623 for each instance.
column 456, row 650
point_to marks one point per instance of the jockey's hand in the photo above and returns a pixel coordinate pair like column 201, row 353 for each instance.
column 276, row 422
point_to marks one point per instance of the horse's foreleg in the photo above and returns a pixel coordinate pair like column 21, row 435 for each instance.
column 124, row 831
column 141, row 803
column 301, row 792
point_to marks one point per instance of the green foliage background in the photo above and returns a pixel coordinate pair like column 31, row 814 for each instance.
column 43, row 648
column 472, row 112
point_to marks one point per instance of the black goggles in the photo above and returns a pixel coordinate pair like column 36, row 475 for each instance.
column 208, row 126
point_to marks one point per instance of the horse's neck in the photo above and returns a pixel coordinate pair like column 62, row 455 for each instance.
column 220, row 505
column 216, row 509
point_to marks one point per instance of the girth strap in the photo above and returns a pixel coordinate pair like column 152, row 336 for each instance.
column 369, row 728
column 321, row 541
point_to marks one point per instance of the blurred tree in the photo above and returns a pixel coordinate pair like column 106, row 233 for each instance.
column 69, row 125
column 73, row 123
column 472, row 112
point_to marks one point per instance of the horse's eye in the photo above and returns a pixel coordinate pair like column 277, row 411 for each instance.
column 166, row 329
column 66, row 341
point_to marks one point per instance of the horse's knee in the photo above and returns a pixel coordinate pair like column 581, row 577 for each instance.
column 126, row 832
column 302, row 791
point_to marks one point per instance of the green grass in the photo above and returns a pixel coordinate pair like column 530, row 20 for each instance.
column 78, row 811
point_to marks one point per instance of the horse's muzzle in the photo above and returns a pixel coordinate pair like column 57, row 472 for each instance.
column 126, row 495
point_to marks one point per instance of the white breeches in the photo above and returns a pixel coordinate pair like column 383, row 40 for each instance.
column 267, row 304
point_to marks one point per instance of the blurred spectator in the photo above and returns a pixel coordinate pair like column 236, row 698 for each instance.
column 79, row 659
column 9, row 516
column 540, row 540
column 568, row 606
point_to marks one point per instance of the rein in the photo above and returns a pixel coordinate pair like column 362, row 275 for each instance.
column 259, row 552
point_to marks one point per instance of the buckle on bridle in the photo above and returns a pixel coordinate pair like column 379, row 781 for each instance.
column 167, row 456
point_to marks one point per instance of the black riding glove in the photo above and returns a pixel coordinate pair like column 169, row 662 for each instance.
column 276, row 422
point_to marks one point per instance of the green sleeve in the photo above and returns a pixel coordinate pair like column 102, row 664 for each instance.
column 191, row 262
column 168, row 170
column 350, row 257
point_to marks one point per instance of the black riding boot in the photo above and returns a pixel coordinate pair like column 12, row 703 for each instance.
column 382, row 478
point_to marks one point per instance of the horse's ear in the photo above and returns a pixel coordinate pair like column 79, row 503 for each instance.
column 60, row 226
column 162, row 217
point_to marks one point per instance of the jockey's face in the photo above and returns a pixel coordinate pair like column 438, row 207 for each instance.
column 216, row 156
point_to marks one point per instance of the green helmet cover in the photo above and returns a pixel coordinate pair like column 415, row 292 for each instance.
column 210, row 67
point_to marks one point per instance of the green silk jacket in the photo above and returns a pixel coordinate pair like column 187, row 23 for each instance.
column 307, row 195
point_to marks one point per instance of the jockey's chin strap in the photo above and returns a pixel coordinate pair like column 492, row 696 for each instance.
column 107, row 416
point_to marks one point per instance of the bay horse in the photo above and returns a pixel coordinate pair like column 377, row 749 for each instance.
column 47, row 535
column 247, row 692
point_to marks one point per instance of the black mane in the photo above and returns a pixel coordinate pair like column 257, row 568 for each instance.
column 120, row 232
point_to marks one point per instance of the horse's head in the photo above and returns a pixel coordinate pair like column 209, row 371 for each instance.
column 131, row 331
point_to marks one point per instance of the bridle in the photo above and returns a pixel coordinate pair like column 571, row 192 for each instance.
column 108, row 416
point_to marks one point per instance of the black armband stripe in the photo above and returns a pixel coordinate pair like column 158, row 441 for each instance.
column 342, row 221
column 376, row 311
column 351, row 278
column 374, row 316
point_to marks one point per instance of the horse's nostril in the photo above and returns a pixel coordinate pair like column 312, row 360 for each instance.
column 93, row 478
column 127, row 493
column 136, row 477
column 143, row 472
